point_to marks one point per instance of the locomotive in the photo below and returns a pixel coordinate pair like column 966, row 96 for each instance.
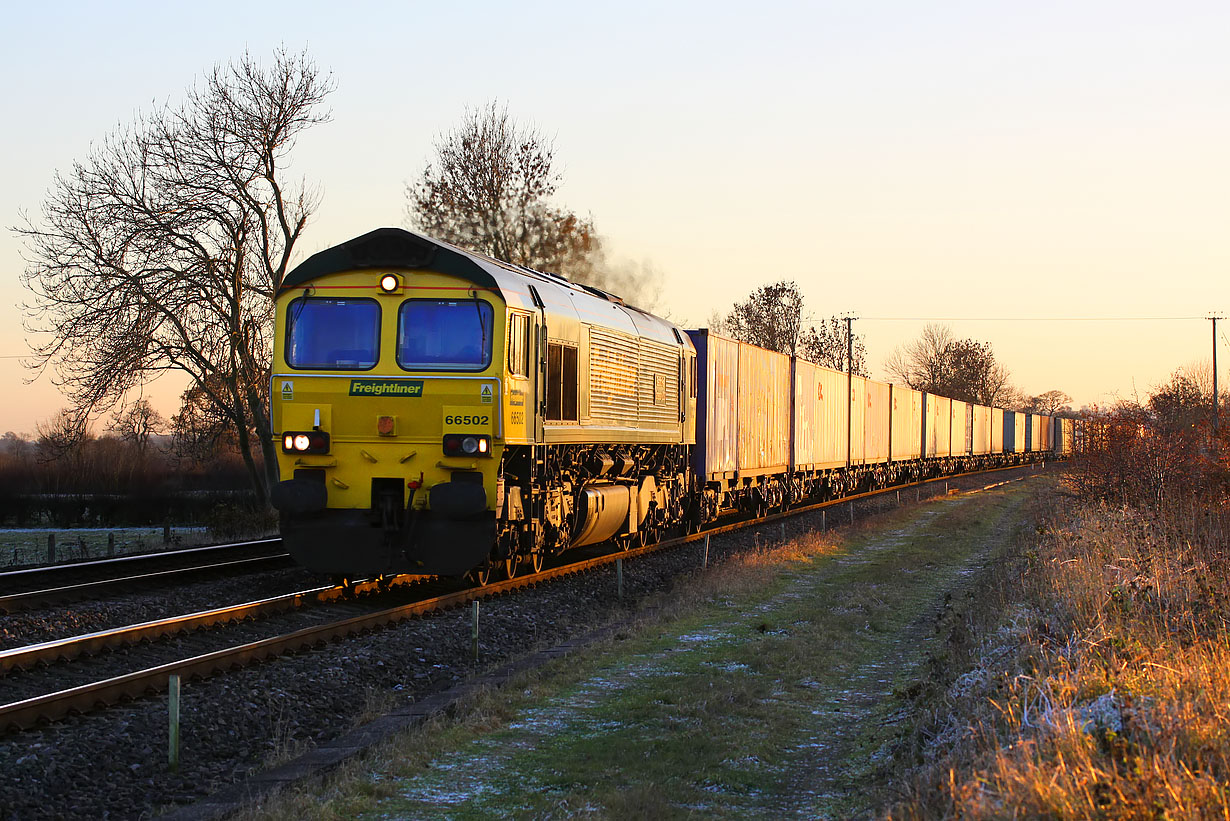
column 441, row 412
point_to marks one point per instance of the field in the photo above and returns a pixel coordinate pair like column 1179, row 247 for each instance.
column 26, row 547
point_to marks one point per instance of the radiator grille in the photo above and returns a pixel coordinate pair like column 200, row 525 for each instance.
column 633, row 382
column 612, row 377
column 659, row 385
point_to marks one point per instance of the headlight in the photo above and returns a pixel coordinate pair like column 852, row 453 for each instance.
column 308, row 441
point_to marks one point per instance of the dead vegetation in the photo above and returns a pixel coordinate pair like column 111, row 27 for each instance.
column 1097, row 683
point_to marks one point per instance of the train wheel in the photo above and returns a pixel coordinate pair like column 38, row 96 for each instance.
column 508, row 546
column 536, row 561
column 481, row 575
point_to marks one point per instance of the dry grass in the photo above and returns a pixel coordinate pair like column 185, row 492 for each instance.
column 1106, row 691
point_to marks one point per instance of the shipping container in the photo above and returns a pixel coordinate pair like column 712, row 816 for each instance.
column 877, row 419
column 717, row 415
column 764, row 411
column 820, row 414
column 1063, row 431
column 858, row 413
column 997, row 431
column 980, row 429
column 907, row 423
column 960, row 428
column 1031, row 432
column 1043, row 441
column 938, row 426
column 1014, row 431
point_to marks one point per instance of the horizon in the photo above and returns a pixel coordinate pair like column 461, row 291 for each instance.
column 989, row 165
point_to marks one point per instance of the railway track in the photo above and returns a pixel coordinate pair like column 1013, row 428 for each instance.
column 37, row 587
column 356, row 613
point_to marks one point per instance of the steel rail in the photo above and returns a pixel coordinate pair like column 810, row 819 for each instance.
column 68, row 648
column 25, row 600
column 65, row 649
column 30, row 712
column 136, row 558
column 52, row 706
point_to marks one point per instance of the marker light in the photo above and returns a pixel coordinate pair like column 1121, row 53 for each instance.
column 390, row 283
column 457, row 445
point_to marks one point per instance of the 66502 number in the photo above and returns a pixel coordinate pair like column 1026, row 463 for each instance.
column 460, row 419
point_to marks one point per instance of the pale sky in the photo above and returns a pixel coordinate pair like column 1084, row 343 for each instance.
column 963, row 161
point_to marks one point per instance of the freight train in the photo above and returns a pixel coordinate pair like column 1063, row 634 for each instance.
column 437, row 411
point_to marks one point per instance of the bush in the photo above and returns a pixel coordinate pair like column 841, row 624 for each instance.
column 229, row 522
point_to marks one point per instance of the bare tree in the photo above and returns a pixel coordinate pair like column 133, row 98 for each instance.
column 959, row 369
column 135, row 423
column 1050, row 403
column 489, row 188
column 717, row 323
column 921, row 363
column 199, row 431
column 61, row 436
column 163, row 249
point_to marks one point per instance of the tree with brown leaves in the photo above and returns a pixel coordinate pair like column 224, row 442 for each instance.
column 964, row 369
column 772, row 317
column 489, row 189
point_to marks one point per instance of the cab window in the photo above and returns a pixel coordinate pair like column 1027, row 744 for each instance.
column 518, row 344
column 444, row 335
column 333, row 334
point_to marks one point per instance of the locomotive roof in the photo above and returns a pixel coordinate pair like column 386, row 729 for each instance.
column 398, row 248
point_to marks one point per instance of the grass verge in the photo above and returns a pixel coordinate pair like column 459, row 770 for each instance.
column 1104, row 692
column 770, row 686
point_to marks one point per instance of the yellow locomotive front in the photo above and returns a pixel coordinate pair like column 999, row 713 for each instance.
column 387, row 408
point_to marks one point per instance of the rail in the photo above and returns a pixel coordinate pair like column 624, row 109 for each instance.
column 39, row 586
column 84, row 698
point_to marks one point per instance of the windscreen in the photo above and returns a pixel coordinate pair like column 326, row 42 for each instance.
column 333, row 334
column 444, row 335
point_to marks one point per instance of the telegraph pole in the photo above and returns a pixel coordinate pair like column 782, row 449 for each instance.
column 1216, row 403
column 849, row 386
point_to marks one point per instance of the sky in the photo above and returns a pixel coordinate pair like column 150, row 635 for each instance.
column 1050, row 177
